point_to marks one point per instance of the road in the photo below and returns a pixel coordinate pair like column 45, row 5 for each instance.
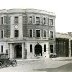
column 46, row 65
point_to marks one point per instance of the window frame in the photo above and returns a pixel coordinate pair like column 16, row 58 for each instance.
column 44, row 20
column 50, row 22
column 2, row 33
column 31, row 48
column 2, row 20
column 36, row 34
column 50, row 34
column 36, row 20
column 17, row 34
column 43, row 33
column 51, row 51
column 30, row 21
column 16, row 21
column 44, row 47
column 29, row 33
column 1, row 48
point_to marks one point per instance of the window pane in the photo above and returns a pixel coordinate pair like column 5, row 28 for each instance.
column 44, row 33
column 37, row 33
column 16, row 33
column 45, row 48
column 37, row 20
column 31, row 48
column 2, row 48
column 44, row 20
column 51, row 21
column 6, row 51
column 1, row 20
column 51, row 48
column 30, row 33
column 51, row 34
column 2, row 34
column 16, row 19
column 30, row 19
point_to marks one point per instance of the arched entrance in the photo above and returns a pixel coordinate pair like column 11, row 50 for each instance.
column 38, row 50
column 18, row 51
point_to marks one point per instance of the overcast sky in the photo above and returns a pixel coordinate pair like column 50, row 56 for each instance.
column 62, row 9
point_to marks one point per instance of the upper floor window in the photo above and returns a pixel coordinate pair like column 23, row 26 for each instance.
column 5, row 19
column 2, row 34
column 51, row 22
column 16, row 20
column 51, row 48
column 51, row 34
column 16, row 33
column 44, row 33
column 2, row 20
column 31, row 33
column 37, row 20
column 37, row 33
column 30, row 19
column 44, row 20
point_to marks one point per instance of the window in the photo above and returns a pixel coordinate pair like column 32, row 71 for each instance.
column 2, row 34
column 51, row 22
column 44, row 20
column 16, row 33
column 51, row 34
column 30, row 33
column 30, row 19
column 44, row 33
column 44, row 47
column 5, row 19
column 1, row 20
column 7, row 51
column 37, row 20
column 51, row 48
column 16, row 20
column 30, row 47
column 37, row 33
column 2, row 48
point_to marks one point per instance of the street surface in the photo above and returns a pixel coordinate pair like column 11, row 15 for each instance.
column 43, row 65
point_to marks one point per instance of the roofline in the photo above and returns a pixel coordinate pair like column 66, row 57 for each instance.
column 26, row 10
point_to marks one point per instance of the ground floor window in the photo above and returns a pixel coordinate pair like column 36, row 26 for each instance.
column 1, row 48
column 51, row 48
column 7, row 51
column 44, row 47
column 30, row 47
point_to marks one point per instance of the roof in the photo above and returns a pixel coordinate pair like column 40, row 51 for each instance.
column 26, row 10
column 63, row 35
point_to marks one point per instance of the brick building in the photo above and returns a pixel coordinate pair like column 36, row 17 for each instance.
column 27, row 33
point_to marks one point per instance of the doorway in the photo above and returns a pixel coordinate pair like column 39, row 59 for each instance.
column 38, row 50
column 18, row 51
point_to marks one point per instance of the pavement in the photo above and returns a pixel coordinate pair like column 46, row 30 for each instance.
column 32, row 65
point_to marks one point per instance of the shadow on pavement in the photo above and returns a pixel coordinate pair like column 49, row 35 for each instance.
column 64, row 68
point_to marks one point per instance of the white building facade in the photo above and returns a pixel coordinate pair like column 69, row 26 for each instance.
column 27, row 33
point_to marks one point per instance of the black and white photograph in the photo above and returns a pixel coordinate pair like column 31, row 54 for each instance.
column 35, row 36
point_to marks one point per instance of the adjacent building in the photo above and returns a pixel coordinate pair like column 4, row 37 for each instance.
column 27, row 33
column 64, row 44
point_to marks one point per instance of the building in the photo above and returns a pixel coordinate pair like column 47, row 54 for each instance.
column 27, row 33
column 64, row 44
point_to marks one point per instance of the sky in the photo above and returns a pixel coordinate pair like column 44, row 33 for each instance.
column 62, row 9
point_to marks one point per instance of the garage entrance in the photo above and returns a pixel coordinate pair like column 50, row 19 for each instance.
column 38, row 50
